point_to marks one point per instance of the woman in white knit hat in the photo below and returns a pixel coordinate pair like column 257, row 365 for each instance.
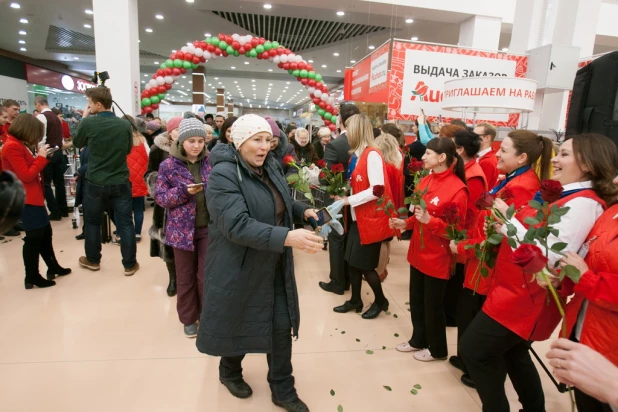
column 250, row 296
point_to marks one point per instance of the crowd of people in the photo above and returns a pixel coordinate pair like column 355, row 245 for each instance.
column 226, row 225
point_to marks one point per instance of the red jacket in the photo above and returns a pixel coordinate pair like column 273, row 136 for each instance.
column 17, row 158
column 515, row 300
column 372, row 224
column 395, row 178
column 137, row 161
column 489, row 164
column 436, row 259
column 599, row 286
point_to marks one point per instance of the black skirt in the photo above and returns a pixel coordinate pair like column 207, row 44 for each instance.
column 364, row 257
column 34, row 217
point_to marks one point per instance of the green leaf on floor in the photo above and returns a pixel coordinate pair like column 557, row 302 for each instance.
column 339, row 408
column 408, row 303
column 343, row 332
column 414, row 392
column 358, row 340
column 332, row 392
column 409, row 310
column 396, row 335
column 417, row 386
column 383, row 347
column 387, row 313
column 395, row 316
column 388, row 388
column 369, row 352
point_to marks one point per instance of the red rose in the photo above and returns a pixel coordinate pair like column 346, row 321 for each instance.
column 529, row 258
column 506, row 194
column 337, row 168
column 451, row 214
column 322, row 175
column 289, row 160
column 415, row 166
column 321, row 164
column 551, row 190
column 406, row 149
column 486, row 201
column 378, row 190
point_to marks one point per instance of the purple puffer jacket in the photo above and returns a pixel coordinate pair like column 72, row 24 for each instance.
column 171, row 193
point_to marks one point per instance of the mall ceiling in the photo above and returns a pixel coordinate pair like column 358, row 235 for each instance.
column 332, row 35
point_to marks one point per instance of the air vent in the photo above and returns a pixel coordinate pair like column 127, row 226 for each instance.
column 295, row 33
column 60, row 40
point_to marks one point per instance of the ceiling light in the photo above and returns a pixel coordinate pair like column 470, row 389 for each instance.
column 22, row 33
column 336, row 54
column 216, row 78
column 143, row 81
column 235, row 81
column 23, row 49
column 268, row 6
column 207, row 34
column 190, row 1
column 75, row 58
column 157, row 63
column 145, row 75
column 323, row 66
column 287, row 82
column 184, row 77
column 88, row 11
column 233, row 67
column 372, row 47
column 253, row 81
column 22, row 42
column 24, row 21
column 309, row 61
column 246, row 62
column 505, row 49
column 409, row 21
column 414, row 38
column 15, row 6
column 340, row 13
column 148, row 30
column 87, row 26
column 174, row 51
column 270, row 84
column 159, row 16
column 270, row 70
column 338, row 71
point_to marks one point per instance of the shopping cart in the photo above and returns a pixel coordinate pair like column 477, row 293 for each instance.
column 320, row 197
column 70, row 187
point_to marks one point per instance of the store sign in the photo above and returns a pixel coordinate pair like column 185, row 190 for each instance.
column 44, row 77
column 489, row 95
column 368, row 80
column 419, row 72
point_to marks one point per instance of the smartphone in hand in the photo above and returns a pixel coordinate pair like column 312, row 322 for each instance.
column 52, row 150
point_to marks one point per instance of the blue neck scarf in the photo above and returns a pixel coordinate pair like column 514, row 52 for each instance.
column 508, row 178
column 565, row 193
column 352, row 165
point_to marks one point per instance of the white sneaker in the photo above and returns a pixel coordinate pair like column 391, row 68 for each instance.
column 425, row 356
column 405, row 347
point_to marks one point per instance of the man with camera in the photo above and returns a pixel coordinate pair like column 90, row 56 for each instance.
column 109, row 140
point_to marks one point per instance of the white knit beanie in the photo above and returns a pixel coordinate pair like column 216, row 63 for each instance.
column 248, row 126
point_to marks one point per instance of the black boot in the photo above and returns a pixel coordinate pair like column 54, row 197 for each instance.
column 171, row 288
column 31, row 251
column 237, row 387
column 348, row 306
column 54, row 268
column 48, row 255
column 375, row 310
column 294, row 406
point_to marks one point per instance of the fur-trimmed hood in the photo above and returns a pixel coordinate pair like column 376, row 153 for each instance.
column 163, row 141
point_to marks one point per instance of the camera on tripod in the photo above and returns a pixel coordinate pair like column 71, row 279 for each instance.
column 101, row 77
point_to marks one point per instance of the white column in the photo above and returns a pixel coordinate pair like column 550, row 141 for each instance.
column 117, row 50
column 527, row 26
column 480, row 32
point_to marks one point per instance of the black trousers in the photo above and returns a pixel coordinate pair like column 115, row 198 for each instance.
column 37, row 242
column 453, row 290
column 339, row 276
column 586, row 403
column 469, row 305
column 490, row 351
column 427, row 312
column 279, row 360
column 54, row 173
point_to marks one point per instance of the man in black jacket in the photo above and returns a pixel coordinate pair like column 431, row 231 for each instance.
column 338, row 151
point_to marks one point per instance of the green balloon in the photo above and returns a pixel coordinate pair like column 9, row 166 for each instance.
column 178, row 63
column 311, row 74
column 161, row 96
column 236, row 53
column 317, row 107
column 328, row 115
column 222, row 45
column 193, row 66
column 146, row 101
column 252, row 53
column 296, row 73
column 187, row 65
column 321, row 112
column 275, row 44
column 215, row 41
column 268, row 45
column 208, row 40
column 248, row 53
column 154, row 99
column 290, row 71
column 303, row 73
column 162, row 65
column 260, row 48
column 169, row 63
column 318, row 77
column 229, row 50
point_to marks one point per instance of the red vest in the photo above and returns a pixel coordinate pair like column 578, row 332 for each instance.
column 489, row 164
column 517, row 302
column 372, row 224
column 395, row 177
column 436, row 259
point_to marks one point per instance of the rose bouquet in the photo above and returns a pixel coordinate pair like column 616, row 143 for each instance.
column 334, row 176
column 386, row 205
column 416, row 167
column 450, row 215
column 299, row 180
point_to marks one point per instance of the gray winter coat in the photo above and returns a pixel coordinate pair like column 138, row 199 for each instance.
column 243, row 246
column 285, row 148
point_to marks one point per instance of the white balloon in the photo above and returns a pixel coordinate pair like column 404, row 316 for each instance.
column 199, row 52
column 317, row 93
column 324, row 97
column 312, row 90
column 169, row 79
column 283, row 58
column 270, row 59
column 235, row 36
column 153, row 82
column 160, row 81
column 299, row 59
column 276, row 59
column 331, row 100
column 148, row 86
column 242, row 40
column 214, row 56
column 207, row 55
column 248, row 38
column 191, row 49
column 291, row 58
column 184, row 49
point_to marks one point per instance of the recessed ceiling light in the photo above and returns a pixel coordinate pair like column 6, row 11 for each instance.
column 340, row 13
column 270, row 70
column 87, row 26
column 268, row 6
column 409, row 21
column 287, row 82
column 88, row 11
column 159, row 16
column 22, row 33
column 309, row 61
column 233, row 67
column 184, row 77
column 372, row 47
column 216, row 78
column 338, row 71
column 190, row 1
column 174, row 51
column 22, row 42
column 235, row 81
column 23, row 49
column 336, row 54
column 148, row 30
column 324, row 66
column 246, row 62
column 15, row 6
column 352, row 61
column 157, row 63
column 207, row 34
column 24, row 21
column 505, row 49
column 75, row 58
column 414, row 38
column 253, row 81
column 145, row 75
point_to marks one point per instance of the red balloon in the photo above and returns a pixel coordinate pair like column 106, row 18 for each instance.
column 288, row 51
column 221, row 36
column 327, row 122
column 280, row 65
column 183, row 70
column 280, row 50
column 211, row 48
column 229, row 39
column 272, row 52
column 180, row 55
column 168, row 71
column 202, row 59
column 161, row 89
column 259, row 57
column 242, row 50
column 255, row 41
column 148, row 109
column 235, row 45
column 154, row 76
column 224, row 53
column 248, row 46
column 173, row 56
column 302, row 65
column 286, row 66
column 304, row 81
column 196, row 43
column 329, row 108
column 155, row 106
column 317, row 100
column 312, row 82
column 299, row 78
column 167, row 86
column 188, row 57
column 196, row 60
column 335, row 112
column 218, row 51
column 309, row 68
column 293, row 66
column 332, row 127
column 322, row 105
column 176, row 71
column 265, row 55
column 203, row 45
column 160, row 72
column 145, row 93
column 262, row 40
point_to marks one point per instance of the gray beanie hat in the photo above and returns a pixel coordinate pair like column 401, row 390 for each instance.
column 190, row 128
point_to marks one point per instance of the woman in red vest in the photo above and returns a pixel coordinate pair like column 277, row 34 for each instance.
column 430, row 259
column 516, row 310
column 367, row 174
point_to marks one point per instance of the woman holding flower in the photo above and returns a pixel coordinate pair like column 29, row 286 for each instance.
column 430, row 259
column 369, row 182
column 516, row 310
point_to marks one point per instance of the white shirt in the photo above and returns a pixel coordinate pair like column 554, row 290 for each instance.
column 43, row 120
column 375, row 174
column 482, row 153
column 573, row 228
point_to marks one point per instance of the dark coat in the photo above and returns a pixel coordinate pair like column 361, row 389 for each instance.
column 283, row 150
column 338, row 151
column 244, row 243
column 307, row 153
column 158, row 153
column 81, row 176
column 319, row 150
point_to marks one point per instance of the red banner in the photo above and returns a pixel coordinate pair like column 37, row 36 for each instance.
column 44, row 77
column 369, row 78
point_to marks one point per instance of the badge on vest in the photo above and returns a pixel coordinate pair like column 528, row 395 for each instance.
column 435, row 201
column 359, row 178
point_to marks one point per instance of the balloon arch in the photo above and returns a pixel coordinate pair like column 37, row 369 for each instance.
column 190, row 56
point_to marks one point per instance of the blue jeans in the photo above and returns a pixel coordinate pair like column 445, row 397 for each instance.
column 97, row 199
column 138, row 213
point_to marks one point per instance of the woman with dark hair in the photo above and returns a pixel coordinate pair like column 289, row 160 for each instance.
column 20, row 157
column 516, row 310
column 429, row 256
column 224, row 133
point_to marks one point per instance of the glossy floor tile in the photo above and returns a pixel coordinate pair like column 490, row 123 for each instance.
column 100, row 341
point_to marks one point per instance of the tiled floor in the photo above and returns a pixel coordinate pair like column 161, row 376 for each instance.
column 99, row 341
